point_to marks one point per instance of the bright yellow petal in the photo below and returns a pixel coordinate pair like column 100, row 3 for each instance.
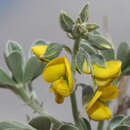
column 111, row 70
column 86, row 68
column 93, row 100
column 54, row 70
column 59, row 99
column 68, row 74
column 61, row 87
column 39, row 50
column 103, row 82
column 109, row 92
column 99, row 112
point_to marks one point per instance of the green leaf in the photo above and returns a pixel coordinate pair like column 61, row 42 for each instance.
column 14, row 125
column 53, row 50
column 40, row 123
column 87, row 93
column 92, row 27
column 126, row 121
column 122, row 53
column 108, row 54
column 15, row 64
column 87, row 48
column 98, row 59
column 84, row 13
column 98, row 42
column 80, row 58
column 38, row 42
column 14, row 46
column 66, row 22
column 83, row 124
column 5, row 79
column 115, row 122
column 33, row 69
column 68, row 127
column 126, row 71
column 122, row 127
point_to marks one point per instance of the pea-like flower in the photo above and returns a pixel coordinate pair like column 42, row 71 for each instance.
column 96, row 108
column 104, row 75
column 39, row 50
column 58, row 73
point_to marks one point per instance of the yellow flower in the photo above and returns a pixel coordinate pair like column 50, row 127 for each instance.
column 58, row 72
column 39, row 50
column 96, row 108
column 104, row 75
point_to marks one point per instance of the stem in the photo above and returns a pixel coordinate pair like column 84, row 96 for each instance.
column 100, row 125
column 36, row 107
column 75, row 111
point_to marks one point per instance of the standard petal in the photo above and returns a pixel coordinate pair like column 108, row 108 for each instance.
column 93, row 100
column 39, row 50
column 99, row 112
column 54, row 70
column 111, row 70
column 108, row 93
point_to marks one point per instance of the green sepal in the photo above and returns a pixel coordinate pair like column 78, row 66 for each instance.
column 92, row 27
column 15, row 64
column 40, row 123
column 67, row 49
column 98, row 42
column 66, row 22
column 84, row 13
column 115, row 122
column 33, row 69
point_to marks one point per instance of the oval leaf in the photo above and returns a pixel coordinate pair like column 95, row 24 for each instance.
column 40, row 123
column 5, row 79
column 5, row 125
column 126, row 121
column 115, row 122
column 33, row 69
column 15, row 64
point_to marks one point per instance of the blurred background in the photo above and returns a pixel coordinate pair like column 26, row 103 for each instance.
column 25, row 21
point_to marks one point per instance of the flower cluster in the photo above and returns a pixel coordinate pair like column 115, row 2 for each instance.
column 106, row 91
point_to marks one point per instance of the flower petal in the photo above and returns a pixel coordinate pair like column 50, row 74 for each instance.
column 113, row 67
column 68, row 74
column 61, row 87
column 54, row 69
column 103, row 82
column 86, row 67
column 94, row 100
column 99, row 112
column 39, row 50
column 108, row 93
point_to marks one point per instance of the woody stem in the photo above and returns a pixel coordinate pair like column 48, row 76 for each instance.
column 75, row 111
